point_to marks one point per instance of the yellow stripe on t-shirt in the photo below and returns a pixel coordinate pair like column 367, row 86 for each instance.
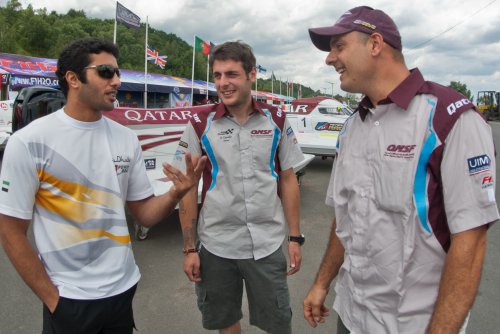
column 80, row 192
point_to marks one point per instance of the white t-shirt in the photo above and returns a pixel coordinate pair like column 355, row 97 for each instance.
column 72, row 179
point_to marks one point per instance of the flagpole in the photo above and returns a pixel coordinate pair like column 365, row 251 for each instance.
column 208, row 71
column 287, row 90
column 256, row 74
column 192, row 70
column 146, row 67
column 114, row 33
column 272, row 85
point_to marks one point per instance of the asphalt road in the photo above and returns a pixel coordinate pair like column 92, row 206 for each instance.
column 165, row 301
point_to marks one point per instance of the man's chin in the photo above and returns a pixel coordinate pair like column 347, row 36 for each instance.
column 108, row 107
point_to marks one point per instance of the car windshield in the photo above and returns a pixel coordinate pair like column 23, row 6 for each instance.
column 339, row 110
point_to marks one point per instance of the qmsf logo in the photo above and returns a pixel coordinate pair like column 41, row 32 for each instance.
column 479, row 164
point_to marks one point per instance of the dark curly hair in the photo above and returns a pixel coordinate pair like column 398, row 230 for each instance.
column 76, row 56
column 237, row 51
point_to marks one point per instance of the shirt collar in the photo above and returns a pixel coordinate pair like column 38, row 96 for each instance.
column 221, row 110
column 401, row 95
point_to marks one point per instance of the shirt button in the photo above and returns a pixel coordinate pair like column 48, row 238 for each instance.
column 377, row 123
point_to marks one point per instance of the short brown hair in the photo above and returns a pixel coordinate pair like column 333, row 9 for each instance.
column 237, row 51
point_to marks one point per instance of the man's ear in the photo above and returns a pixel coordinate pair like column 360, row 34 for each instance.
column 376, row 43
column 72, row 80
column 253, row 74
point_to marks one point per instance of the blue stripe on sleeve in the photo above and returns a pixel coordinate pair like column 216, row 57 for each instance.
column 274, row 147
column 210, row 153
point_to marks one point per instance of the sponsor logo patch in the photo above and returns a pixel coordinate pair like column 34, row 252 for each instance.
column 478, row 164
column 5, row 186
column 452, row 107
column 289, row 132
column 226, row 132
column 150, row 163
column 325, row 126
column 121, row 169
column 122, row 164
column 183, row 144
column 487, row 182
column 261, row 133
column 400, row 151
column 226, row 135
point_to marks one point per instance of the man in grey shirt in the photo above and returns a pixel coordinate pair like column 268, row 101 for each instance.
column 249, row 192
column 413, row 191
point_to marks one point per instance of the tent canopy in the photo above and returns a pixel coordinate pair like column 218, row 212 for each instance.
column 29, row 71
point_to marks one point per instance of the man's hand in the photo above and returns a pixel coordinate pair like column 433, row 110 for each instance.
column 184, row 182
column 52, row 303
column 192, row 267
column 295, row 256
column 315, row 310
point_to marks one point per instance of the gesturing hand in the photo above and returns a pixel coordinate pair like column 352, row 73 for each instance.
column 183, row 182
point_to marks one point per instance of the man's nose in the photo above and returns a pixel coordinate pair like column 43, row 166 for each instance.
column 331, row 57
column 223, row 80
column 115, row 81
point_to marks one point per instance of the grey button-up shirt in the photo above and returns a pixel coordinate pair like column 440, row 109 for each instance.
column 404, row 181
column 241, row 215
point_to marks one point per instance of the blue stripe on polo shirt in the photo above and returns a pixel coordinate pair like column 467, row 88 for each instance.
column 274, row 147
column 210, row 152
column 419, row 190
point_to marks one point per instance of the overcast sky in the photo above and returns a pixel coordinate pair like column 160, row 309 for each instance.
column 464, row 46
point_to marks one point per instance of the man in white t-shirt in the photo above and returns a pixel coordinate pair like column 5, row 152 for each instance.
column 71, row 174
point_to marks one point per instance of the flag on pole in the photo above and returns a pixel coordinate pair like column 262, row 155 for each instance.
column 156, row 58
column 127, row 17
column 261, row 69
column 201, row 45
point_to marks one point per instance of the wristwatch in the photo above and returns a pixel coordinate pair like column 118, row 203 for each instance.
column 300, row 239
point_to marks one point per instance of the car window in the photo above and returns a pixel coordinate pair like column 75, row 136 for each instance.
column 333, row 111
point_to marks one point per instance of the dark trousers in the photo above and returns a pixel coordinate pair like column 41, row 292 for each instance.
column 111, row 315
column 341, row 328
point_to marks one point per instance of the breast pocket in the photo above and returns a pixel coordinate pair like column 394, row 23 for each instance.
column 393, row 185
column 262, row 150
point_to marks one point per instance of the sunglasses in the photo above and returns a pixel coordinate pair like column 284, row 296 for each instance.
column 105, row 71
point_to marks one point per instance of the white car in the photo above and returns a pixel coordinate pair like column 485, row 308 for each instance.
column 317, row 122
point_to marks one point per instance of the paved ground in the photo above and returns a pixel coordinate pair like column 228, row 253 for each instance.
column 165, row 300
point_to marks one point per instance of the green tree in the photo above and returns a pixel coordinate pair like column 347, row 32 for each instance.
column 462, row 88
column 35, row 32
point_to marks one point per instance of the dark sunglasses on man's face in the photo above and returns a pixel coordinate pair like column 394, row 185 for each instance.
column 105, row 71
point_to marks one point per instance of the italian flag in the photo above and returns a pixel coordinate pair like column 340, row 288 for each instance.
column 201, row 45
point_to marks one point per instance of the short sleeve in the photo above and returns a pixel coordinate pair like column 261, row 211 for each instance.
column 139, row 186
column 468, row 173
column 19, row 179
column 290, row 153
column 189, row 143
column 329, row 192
